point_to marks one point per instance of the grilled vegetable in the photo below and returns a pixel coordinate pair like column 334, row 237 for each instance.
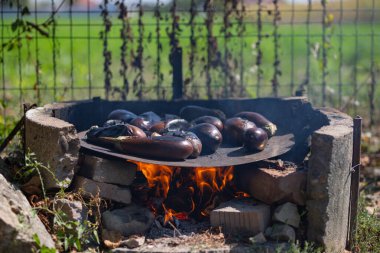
column 142, row 123
column 255, row 139
column 123, row 115
column 193, row 138
column 113, row 122
column 234, row 129
column 159, row 147
column 192, row 112
column 150, row 116
column 260, row 121
column 115, row 131
column 210, row 137
column 177, row 125
column 211, row 120
column 158, row 127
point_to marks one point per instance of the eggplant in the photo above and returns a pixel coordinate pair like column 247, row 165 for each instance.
column 192, row 112
column 177, row 125
column 150, row 116
column 113, row 122
column 157, row 147
column 192, row 137
column 255, row 139
column 158, row 127
column 142, row 123
column 211, row 120
column 210, row 137
column 123, row 115
column 260, row 121
column 234, row 129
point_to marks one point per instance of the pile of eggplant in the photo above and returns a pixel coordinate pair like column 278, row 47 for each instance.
column 196, row 131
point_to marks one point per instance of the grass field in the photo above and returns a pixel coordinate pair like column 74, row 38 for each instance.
column 79, row 53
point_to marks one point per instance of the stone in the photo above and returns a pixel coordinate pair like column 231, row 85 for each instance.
column 55, row 144
column 33, row 186
column 91, row 188
column 259, row 238
column 271, row 185
column 111, row 239
column 270, row 247
column 108, row 171
column 288, row 214
column 241, row 216
column 133, row 242
column 73, row 209
column 129, row 220
column 328, row 187
column 281, row 232
column 18, row 222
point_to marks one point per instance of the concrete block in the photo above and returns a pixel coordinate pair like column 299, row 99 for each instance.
column 270, row 185
column 108, row 171
column 55, row 143
column 328, row 186
column 241, row 216
column 107, row 191
column 288, row 214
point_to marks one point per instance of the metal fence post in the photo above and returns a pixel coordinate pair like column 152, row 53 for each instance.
column 176, row 61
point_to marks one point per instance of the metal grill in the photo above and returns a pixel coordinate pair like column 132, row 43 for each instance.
column 64, row 50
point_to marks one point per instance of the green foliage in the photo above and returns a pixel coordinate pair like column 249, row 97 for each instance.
column 368, row 231
column 305, row 248
column 42, row 248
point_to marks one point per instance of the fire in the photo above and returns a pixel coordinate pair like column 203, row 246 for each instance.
column 186, row 191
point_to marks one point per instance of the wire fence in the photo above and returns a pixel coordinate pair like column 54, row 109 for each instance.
column 54, row 50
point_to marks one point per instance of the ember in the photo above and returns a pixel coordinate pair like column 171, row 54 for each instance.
column 187, row 192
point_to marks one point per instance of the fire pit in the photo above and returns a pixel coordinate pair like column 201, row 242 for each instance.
column 212, row 198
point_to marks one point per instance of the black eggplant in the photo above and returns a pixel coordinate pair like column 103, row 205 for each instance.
column 123, row 115
column 141, row 123
column 260, row 121
column 177, row 125
column 158, row 127
column 192, row 137
column 210, row 137
column 211, row 120
column 234, row 129
column 192, row 112
column 150, row 116
column 255, row 139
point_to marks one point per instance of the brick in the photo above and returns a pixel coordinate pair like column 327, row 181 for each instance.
column 241, row 216
column 107, row 191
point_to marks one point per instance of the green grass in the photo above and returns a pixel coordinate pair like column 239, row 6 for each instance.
column 20, row 71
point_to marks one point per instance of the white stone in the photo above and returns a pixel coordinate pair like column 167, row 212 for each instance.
column 287, row 213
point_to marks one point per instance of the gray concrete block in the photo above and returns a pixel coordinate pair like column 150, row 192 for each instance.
column 288, row 214
column 92, row 188
column 328, row 186
column 55, row 143
column 108, row 171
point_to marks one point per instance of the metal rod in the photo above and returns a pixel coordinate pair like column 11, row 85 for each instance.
column 176, row 61
column 355, row 178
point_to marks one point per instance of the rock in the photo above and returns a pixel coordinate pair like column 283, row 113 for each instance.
column 111, row 239
column 55, row 143
column 18, row 223
column 281, row 232
column 328, row 187
column 270, row 185
column 129, row 220
column 288, row 214
column 108, row 171
column 259, row 238
column 270, row 247
column 74, row 210
column 241, row 216
column 33, row 186
column 133, row 242
column 91, row 188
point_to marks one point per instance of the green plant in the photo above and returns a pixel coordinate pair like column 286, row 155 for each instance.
column 306, row 247
column 42, row 248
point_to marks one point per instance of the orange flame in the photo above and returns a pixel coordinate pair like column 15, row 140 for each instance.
column 202, row 184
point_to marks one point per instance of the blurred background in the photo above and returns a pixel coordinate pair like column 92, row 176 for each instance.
column 59, row 50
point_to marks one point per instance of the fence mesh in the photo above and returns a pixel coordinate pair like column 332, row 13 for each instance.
column 54, row 50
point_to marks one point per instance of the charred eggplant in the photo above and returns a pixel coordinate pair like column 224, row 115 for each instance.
column 260, row 121
column 211, row 120
column 193, row 138
column 142, row 123
column 210, row 137
column 255, row 139
column 234, row 129
column 123, row 115
column 150, row 116
column 177, row 125
column 192, row 112
column 159, row 147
